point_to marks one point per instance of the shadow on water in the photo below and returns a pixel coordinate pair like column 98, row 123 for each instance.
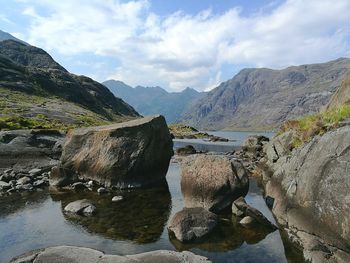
column 139, row 217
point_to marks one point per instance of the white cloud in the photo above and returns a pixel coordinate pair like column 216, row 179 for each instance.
column 190, row 49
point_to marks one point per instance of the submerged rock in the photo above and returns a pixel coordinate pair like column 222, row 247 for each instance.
column 61, row 254
column 188, row 149
column 83, row 206
column 191, row 224
column 124, row 155
column 252, row 213
column 212, row 181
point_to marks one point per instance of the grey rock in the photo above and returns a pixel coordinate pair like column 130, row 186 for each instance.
column 35, row 171
column 62, row 254
column 125, row 155
column 236, row 211
column 191, row 224
column 254, row 213
column 24, row 180
column 117, row 198
column 4, row 185
column 83, row 206
column 212, row 181
column 310, row 186
column 25, row 187
column 39, row 183
column 188, row 149
column 102, row 190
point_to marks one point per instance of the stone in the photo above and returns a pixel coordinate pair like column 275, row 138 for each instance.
column 83, row 206
column 247, row 220
column 254, row 213
column 35, row 171
column 20, row 150
column 188, row 149
column 102, row 190
column 4, row 185
column 24, row 180
column 125, row 155
column 235, row 211
column 117, row 198
column 78, row 186
column 25, row 187
column 62, row 254
column 212, row 181
column 39, row 183
column 191, row 224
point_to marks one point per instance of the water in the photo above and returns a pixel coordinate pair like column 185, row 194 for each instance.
column 236, row 140
column 136, row 224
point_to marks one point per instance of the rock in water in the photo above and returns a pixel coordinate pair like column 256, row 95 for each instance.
column 192, row 223
column 83, row 206
column 124, row 155
column 212, row 182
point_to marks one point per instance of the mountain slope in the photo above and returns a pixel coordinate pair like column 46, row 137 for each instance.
column 155, row 100
column 262, row 99
column 30, row 72
column 6, row 36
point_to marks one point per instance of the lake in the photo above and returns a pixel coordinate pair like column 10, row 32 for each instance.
column 136, row 224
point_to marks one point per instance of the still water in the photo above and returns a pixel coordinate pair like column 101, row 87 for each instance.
column 136, row 224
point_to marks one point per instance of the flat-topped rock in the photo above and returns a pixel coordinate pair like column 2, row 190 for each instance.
column 61, row 254
column 212, row 181
column 124, row 155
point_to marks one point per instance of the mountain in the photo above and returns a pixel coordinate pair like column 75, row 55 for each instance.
column 155, row 100
column 262, row 99
column 33, row 84
column 6, row 36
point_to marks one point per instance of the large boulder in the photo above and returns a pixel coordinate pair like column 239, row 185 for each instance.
column 191, row 224
column 124, row 155
column 212, row 181
column 61, row 254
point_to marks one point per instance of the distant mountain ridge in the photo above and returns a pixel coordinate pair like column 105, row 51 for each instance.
column 262, row 99
column 155, row 100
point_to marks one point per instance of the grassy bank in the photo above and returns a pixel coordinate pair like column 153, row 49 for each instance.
column 305, row 128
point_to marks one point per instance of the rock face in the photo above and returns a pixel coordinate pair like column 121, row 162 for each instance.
column 264, row 98
column 191, row 224
column 212, row 181
column 310, row 186
column 124, row 155
column 342, row 95
column 61, row 254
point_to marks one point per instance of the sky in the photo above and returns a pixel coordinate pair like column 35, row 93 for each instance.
column 182, row 43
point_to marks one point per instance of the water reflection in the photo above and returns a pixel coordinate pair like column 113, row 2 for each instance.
column 140, row 217
column 17, row 201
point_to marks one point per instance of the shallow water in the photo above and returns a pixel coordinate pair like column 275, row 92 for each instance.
column 134, row 225
column 236, row 141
